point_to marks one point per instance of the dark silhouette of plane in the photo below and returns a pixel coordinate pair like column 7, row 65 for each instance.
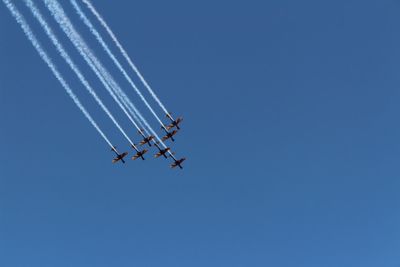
column 139, row 154
column 146, row 139
column 170, row 135
column 120, row 157
column 161, row 152
column 174, row 123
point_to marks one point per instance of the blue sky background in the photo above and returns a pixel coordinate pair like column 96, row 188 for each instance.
column 291, row 132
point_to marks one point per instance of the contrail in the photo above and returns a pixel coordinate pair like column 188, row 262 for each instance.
column 37, row 14
column 78, row 44
column 30, row 35
column 107, row 80
column 123, row 52
column 126, row 56
column 111, row 55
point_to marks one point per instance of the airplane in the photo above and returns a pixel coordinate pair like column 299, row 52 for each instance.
column 174, row 123
column 162, row 152
column 120, row 157
column 177, row 162
column 170, row 135
column 139, row 153
column 146, row 140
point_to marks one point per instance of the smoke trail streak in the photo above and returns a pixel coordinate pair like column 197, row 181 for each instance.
column 135, row 113
column 78, row 44
column 123, row 52
column 111, row 55
column 37, row 14
column 131, row 107
column 107, row 80
column 116, row 62
column 29, row 34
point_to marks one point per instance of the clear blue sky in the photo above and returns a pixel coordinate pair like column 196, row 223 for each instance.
column 291, row 132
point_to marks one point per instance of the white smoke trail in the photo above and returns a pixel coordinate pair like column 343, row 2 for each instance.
column 124, row 53
column 81, row 49
column 107, row 80
column 37, row 14
column 29, row 34
column 111, row 55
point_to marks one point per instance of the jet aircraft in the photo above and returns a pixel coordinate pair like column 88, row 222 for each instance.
column 161, row 152
column 120, row 157
column 174, row 123
column 170, row 135
column 177, row 162
column 139, row 154
column 146, row 139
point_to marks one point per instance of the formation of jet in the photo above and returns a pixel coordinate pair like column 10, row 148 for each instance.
column 150, row 140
